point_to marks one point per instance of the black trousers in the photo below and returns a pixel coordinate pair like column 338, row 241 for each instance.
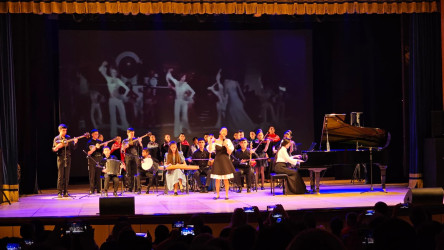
column 94, row 174
column 295, row 183
column 115, row 180
column 132, row 167
column 202, row 172
column 63, row 173
column 243, row 171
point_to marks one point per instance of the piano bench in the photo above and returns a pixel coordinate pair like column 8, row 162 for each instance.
column 276, row 177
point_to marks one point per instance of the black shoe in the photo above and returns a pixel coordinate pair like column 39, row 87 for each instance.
column 262, row 188
column 59, row 195
column 175, row 194
column 226, row 198
column 115, row 194
column 205, row 189
column 130, row 190
column 139, row 191
column 147, row 191
column 239, row 190
column 248, row 190
column 66, row 194
column 215, row 198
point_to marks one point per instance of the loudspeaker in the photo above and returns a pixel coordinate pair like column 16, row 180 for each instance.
column 434, row 162
column 437, row 123
column 424, row 196
column 116, row 205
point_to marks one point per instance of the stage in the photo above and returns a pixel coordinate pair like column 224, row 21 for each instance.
column 333, row 195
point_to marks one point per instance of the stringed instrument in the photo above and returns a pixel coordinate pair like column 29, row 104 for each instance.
column 179, row 166
column 128, row 142
column 64, row 141
column 98, row 145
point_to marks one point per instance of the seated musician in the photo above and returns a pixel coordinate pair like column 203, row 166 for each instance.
column 174, row 178
column 295, row 183
column 151, row 171
column 198, row 158
column 109, row 176
column 243, row 165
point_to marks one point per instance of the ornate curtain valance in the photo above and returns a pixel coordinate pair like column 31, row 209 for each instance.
column 189, row 7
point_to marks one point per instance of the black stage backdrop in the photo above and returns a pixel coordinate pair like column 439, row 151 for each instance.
column 356, row 66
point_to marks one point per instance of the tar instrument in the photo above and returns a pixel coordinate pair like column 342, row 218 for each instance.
column 147, row 163
column 129, row 142
column 98, row 145
column 64, row 141
column 179, row 166
column 113, row 166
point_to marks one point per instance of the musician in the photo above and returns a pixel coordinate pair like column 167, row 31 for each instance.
column 132, row 146
column 151, row 171
column 295, row 183
column 166, row 144
column 243, row 165
column 252, row 136
column 260, row 147
column 236, row 139
column 174, row 177
column 195, row 145
column 293, row 148
column 63, row 151
column 154, row 149
column 204, row 169
column 183, row 146
column 116, row 149
column 109, row 176
column 223, row 168
column 95, row 154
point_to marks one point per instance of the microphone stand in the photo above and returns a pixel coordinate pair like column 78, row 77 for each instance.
column 97, row 166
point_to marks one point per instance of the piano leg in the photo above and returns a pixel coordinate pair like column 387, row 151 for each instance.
column 317, row 178
column 312, row 181
column 383, row 169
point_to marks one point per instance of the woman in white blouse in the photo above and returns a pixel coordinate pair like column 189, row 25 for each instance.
column 295, row 183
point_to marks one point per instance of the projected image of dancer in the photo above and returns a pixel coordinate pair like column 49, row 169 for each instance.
column 184, row 97
column 222, row 97
column 115, row 99
column 236, row 115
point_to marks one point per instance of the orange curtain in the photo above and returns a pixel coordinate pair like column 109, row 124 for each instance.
column 190, row 7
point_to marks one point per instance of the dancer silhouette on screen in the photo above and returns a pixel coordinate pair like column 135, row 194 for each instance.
column 115, row 99
column 236, row 115
column 221, row 104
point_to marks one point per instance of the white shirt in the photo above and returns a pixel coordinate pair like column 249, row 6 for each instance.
column 213, row 146
column 282, row 156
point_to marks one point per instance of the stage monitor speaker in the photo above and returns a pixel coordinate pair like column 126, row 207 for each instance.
column 116, row 206
column 437, row 123
column 424, row 196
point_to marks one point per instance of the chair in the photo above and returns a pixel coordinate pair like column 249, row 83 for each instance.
column 102, row 183
column 274, row 177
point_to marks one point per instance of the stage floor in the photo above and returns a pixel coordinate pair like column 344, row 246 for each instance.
column 333, row 195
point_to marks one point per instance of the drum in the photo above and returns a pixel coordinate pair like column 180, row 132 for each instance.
column 147, row 163
column 112, row 167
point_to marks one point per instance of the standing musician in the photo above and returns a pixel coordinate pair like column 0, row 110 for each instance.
column 63, row 152
column 154, row 149
column 109, row 176
column 183, row 146
column 164, row 147
column 295, row 183
column 94, row 155
column 204, row 165
column 150, row 172
column 243, row 164
column 260, row 147
column 132, row 146
column 174, row 177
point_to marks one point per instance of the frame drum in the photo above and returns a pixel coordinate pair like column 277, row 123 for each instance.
column 147, row 163
column 112, row 167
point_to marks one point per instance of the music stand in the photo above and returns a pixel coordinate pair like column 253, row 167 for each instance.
column 97, row 164
column 371, row 173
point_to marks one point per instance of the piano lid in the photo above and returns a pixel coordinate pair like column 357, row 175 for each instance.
column 343, row 133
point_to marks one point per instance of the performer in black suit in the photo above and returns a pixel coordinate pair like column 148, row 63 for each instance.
column 63, row 151
column 132, row 146
column 95, row 155
column 204, row 165
column 243, row 165
column 150, row 172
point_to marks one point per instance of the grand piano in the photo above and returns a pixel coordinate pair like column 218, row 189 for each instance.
column 342, row 144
